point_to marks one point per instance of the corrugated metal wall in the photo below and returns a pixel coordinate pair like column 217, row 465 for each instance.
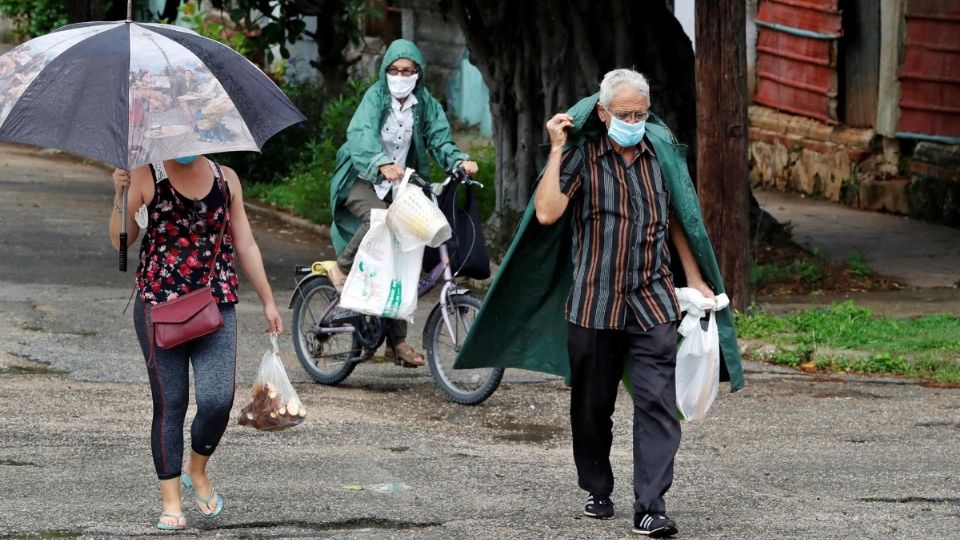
column 797, row 56
column 930, row 70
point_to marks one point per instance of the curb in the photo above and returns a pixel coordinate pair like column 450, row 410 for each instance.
column 260, row 208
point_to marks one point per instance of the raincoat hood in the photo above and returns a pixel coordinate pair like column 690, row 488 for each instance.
column 402, row 48
column 362, row 155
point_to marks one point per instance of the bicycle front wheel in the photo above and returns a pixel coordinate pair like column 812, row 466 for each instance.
column 328, row 358
column 464, row 386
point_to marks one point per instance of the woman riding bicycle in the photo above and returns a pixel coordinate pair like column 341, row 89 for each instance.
column 397, row 123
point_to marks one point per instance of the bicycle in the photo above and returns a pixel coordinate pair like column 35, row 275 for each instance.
column 330, row 341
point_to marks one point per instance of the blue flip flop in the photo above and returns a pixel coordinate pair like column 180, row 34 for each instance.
column 167, row 527
column 197, row 499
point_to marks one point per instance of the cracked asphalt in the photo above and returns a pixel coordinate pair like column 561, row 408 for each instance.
column 790, row 456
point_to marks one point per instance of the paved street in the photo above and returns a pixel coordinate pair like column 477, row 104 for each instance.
column 790, row 456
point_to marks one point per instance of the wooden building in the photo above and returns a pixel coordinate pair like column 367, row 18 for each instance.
column 858, row 101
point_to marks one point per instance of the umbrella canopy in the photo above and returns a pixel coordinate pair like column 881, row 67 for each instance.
column 132, row 93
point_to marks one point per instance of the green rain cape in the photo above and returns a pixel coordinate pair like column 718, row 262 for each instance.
column 362, row 155
column 522, row 321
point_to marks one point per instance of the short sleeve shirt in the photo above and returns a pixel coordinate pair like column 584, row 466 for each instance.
column 620, row 253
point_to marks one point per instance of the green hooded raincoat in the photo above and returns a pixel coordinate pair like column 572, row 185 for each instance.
column 362, row 155
column 521, row 323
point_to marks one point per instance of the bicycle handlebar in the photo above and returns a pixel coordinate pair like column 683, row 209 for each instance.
column 456, row 175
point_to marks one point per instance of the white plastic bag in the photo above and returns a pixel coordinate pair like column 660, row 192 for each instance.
column 383, row 279
column 698, row 357
column 273, row 405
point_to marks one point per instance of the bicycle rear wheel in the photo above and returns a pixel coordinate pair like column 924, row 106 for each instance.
column 464, row 386
column 328, row 358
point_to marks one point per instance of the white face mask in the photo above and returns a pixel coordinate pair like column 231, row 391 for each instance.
column 400, row 86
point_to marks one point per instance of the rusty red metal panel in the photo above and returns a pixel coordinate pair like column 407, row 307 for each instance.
column 791, row 72
column 796, row 100
column 796, row 57
column 815, row 51
column 920, row 64
column 931, row 95
column 814, row 16
column 930, row 70
column 941, row 34
column 929, row 123
column 940, row 9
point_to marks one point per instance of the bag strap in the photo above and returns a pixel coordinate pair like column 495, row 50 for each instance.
column 223, row 226
column 470, row 202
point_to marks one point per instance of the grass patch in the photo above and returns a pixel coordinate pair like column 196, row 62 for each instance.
column 30, row 370
column 783, row 267
column 858, row 266
column 849, row 338
column 15, row 463
column 42, row 535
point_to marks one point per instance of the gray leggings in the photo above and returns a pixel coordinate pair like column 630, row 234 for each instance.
column 214, row 359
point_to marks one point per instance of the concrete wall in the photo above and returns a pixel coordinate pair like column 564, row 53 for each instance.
column 439, row 39
column 444, row 48
column 854, row 166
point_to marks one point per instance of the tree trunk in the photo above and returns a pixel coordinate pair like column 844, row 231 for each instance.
column 85, row 10
column 539, row 57
column 722, row 139
column 332, row 36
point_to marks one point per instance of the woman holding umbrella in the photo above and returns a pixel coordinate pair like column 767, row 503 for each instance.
column 187, row 201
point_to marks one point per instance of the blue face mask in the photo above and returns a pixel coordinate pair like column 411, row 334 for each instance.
column 626, row 134
column 186, row 160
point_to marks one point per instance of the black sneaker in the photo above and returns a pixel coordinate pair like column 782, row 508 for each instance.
column 654, row 525
column 599, row 507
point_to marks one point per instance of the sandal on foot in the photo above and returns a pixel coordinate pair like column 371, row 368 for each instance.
column 337, row 277
column 167, row 527
column 405, row 355
column 198, row 500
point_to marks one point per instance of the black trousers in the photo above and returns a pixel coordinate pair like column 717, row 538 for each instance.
column 597, row 363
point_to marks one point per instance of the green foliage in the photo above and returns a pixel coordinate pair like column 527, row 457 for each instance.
column 196, row 19
column 306, row 191
column 294, row 173
column 484, row 154
column 762, row 275
column 858, row 266
column 935, row 199
column 284, row 22
column 924, row 347
column 808, row 270
column 759, row 325
column 32, row 18
column 850, row 188
column 326, row 119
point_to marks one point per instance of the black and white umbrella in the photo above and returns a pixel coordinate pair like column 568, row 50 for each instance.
column 131, row 93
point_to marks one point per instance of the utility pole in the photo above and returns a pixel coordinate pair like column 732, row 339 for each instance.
column 722, row 130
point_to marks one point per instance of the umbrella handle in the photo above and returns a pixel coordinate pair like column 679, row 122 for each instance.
column 123, row 232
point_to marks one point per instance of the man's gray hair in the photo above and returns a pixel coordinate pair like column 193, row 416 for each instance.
column 619, row 77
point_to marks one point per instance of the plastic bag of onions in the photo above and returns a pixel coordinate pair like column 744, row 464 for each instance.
column 273, row 405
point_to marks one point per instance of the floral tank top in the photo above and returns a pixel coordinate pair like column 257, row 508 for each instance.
column 179, row 240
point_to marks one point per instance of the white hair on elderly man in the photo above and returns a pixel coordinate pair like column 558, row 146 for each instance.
column 613, row 80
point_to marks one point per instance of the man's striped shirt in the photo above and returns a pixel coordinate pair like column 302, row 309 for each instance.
column 620, row 254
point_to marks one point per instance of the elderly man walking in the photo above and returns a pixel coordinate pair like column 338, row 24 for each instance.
column 589, row 273
column 622, row 310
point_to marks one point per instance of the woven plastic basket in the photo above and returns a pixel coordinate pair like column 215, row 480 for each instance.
column 415, row 219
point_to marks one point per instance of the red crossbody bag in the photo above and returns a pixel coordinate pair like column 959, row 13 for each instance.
column 194, row 314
